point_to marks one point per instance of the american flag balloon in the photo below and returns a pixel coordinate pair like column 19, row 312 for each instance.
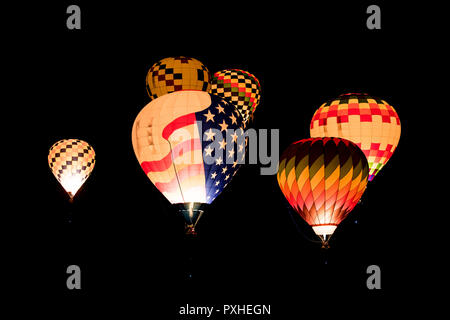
column 189, row 144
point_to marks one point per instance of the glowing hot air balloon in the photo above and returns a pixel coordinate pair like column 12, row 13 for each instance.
column 176, row 74
column 182, row 144
column 239, row 87
column 323, row 179
column 71, row 161
column 369, row 122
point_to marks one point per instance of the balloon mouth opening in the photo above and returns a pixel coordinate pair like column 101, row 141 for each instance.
column 71, row 196
column 371, row 176
column 324, row 232
column 72, row 193
column 72, row 183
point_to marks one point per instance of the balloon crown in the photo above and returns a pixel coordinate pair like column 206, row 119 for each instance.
column 353, row 94
column 324, row 140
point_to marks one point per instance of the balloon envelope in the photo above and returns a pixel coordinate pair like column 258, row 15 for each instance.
column 369, row 122
column 176, row 74
column 323, row 179
column 180, row 142
column 71, row 162
column 239, row 87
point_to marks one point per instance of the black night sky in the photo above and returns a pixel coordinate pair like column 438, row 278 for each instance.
column 252, row 248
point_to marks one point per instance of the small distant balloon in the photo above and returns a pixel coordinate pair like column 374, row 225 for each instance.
column 175, row 74
column 71, row 161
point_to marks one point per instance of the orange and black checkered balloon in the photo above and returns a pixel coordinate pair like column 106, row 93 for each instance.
column 323, row 179
column 71, row 161
column 176, row 74
column 239, row 87
column 369, row 122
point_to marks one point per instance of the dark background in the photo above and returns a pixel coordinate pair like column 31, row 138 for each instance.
column 252, row 249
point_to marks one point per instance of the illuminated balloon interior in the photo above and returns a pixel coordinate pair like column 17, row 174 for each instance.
column 71, row 162
column 180, row 140
column 370, row 122
column 323, row 180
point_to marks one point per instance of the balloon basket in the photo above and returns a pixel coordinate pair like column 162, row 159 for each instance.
column 189, row 231
column 325, row 245
column 325, row 240
column 191, row 213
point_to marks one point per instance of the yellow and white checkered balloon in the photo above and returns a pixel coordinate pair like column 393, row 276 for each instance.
column 71, row 161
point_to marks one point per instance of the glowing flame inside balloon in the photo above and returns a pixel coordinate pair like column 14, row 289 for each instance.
column 71, row 161
column 324, row 231
column 72, row 184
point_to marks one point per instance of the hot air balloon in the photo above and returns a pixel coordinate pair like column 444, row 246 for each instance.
column 180, row 142
column 323, row 179
column 369, row 122
column 239, row 87
column 71, row 161
column 176, row 74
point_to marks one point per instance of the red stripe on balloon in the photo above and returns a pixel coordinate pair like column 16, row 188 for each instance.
column 178, row 123
column 166, row 162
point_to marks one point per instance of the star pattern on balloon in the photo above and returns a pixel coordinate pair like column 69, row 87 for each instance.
column 174, row 160
column 239, row 87
column 201, row 136
column 230, row 142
